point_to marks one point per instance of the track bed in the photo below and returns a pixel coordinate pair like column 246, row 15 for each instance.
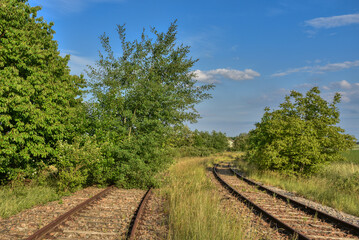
column 295, row 220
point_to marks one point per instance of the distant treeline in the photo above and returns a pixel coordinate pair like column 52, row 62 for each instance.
column 199, row 143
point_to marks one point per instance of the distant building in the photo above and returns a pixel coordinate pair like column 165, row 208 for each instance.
column 230, row 143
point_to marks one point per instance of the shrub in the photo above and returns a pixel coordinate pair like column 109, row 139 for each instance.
column 79, row 163
column 300, row 136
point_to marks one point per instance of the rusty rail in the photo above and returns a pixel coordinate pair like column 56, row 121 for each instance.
column 39, row 234
column 269, row 216
column 320, row 214
column 137, row 216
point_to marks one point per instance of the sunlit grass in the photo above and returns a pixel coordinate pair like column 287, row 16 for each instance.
column 336, row 185
column 194, row 207
column 19, row 198
column 352, row 156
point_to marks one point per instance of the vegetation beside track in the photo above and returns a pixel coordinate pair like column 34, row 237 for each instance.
column 194, row 208
column 335, row 185
column 18, row 198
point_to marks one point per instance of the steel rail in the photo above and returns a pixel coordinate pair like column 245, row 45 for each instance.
column 353, row 229
column 269, row 216
column 39, row 234
column 138, row 215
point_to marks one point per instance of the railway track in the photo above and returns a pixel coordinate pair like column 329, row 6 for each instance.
column 108, row 215
column 294, row 218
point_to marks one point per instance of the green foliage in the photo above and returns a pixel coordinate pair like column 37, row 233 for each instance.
column 215, row 140
column 198, row 143
column 138, row 99
column 80, row 163
column 38, row 96
column 240, row 142
column 300, row 136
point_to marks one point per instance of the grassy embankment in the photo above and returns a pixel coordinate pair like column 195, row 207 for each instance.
column 336, row 185
column 194, row 206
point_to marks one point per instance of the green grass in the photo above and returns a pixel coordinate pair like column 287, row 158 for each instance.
column 352, row 155
column 18, row 198
column 335, row 185
column 194, row 206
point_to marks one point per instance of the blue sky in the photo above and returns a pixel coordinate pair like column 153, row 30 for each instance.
column 254, row 51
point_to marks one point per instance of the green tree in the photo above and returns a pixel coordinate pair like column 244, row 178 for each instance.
column 138, row 99
column 38, row 96
column 241, row 142
column 219, row 141
column 300, row 136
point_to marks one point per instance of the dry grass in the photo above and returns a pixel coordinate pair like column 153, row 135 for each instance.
column 194, row 210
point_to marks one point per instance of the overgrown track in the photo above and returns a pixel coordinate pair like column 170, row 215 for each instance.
column 295, row 218
column 108, row 215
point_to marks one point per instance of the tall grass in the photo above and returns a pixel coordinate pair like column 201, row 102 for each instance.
column 18, row 198
column 336, row 185
column 194, row 207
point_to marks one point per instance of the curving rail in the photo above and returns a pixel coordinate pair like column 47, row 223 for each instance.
column 138, row 215
column 297, row 219
column 320, row 214
column 259, row 209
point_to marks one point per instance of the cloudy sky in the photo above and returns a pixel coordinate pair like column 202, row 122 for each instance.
column 255, row 51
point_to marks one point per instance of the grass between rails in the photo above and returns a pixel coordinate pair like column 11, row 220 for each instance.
column 336, row 185
column 195, row 210
column 18, row 198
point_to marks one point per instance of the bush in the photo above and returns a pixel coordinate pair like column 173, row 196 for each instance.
column 241, row 142
column 79, row 164
column 300, row 136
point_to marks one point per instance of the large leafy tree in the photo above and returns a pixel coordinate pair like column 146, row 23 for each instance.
column 148, row 87
column 300, row 136
column 38, row 96
column 139, row 95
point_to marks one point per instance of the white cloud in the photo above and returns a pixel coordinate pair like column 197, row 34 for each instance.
column 331, row 67
column 212, row 76
column 204, row 77
column 344, row 84
column 290, row 71
column 349, row 91
column 334, row 21
column 77, row 63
